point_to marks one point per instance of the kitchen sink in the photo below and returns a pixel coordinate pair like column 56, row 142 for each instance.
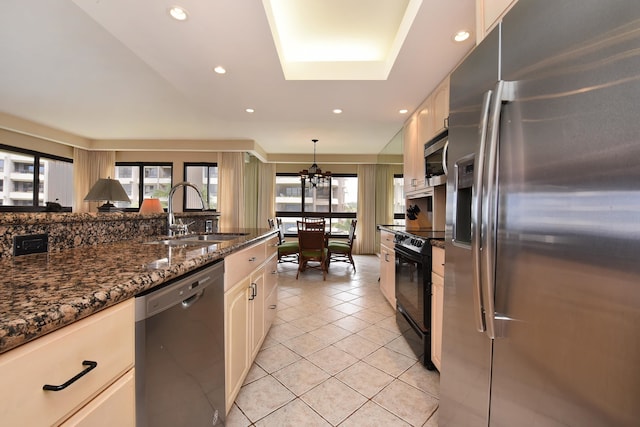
column 198, row 240
column 220, row 237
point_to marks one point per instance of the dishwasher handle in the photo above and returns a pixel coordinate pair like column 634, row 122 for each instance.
column 192, row 300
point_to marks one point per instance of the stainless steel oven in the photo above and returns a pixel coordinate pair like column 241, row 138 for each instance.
column 435, row 159
column 413, row 290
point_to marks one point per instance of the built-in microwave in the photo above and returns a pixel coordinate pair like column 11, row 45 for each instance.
column 435, row 159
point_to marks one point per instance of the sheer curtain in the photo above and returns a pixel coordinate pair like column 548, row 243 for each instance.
column 266, row 193
column 384, row 198
column 365, row 242
column 231, row 190
column 260, row 183
column 88, row 167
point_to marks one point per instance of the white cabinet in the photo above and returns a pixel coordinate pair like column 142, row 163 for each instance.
column 413, row 172
column 488, row 13
column 428, row 121
column 388, row 267
column 437, row 301
column 250, row 303
column 105, row 339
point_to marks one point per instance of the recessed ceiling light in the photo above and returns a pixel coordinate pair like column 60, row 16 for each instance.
column 178, row 13
column 403, row 111
column 461, row 36
column 337, row 111
column 249, row 110
column 219, row 69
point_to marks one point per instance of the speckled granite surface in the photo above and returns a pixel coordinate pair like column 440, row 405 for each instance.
column 72, row 230
column 43, row 292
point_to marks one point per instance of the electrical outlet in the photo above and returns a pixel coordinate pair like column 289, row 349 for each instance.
column 30, row 244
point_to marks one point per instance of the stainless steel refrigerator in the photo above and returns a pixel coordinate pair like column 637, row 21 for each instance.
column 542, row 278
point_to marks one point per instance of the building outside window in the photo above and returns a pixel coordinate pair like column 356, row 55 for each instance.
column 336, row 201
column 205, row 177
column 143, row 180
column 25, row 185
column 398, row 200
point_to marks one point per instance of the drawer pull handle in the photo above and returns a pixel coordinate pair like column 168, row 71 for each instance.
column 273, row 306
column 252, row 259
column 89, row 366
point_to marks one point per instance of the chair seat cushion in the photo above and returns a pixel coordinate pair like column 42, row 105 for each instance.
column 288, row 248
column 339, row 246
column 312, row 253
column 288, row 245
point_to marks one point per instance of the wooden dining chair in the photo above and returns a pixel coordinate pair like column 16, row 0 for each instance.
column 287, row 250
column 340, row 250
column 312, row 249
column 311, row 225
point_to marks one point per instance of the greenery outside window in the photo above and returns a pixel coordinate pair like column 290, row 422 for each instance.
column 142, row 180
column 29, row 179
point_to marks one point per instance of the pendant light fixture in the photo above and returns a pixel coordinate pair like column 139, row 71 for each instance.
column 314, row 175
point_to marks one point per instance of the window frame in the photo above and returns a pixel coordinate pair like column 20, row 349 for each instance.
column 37, row 156
column 184, row 193
column 399, row 216
column 141, row 166
column 326, row 215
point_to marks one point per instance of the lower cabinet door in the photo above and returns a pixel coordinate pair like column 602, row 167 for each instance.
column 113, row 407
column 236, row 312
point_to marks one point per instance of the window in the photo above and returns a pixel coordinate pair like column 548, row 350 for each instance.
column 30, row 179
column 398, row 200
column 143, row 180
column 205, row 177
column 337, row 202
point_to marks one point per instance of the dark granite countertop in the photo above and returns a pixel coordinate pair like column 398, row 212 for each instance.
column 43, row 292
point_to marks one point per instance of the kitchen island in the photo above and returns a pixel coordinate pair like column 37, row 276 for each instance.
column 44, row 292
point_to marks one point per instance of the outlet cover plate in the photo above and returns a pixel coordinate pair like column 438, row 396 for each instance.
column 30, row 244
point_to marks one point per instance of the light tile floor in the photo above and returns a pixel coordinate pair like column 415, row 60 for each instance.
column 335, row 357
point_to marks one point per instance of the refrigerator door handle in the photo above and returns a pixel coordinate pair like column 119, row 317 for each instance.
column 503, row 92
column 476, row 214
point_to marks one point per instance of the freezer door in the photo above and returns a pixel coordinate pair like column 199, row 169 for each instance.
column 466, row 352
column 567, row 293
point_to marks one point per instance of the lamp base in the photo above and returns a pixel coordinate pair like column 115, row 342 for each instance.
column 109, row 207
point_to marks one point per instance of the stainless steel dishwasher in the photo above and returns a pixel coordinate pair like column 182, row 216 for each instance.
column 180, row 351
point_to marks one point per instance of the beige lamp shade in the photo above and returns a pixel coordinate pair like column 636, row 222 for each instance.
column 107, row 189
column 151, row 206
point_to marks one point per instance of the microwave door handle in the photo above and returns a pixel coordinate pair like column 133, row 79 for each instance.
column 476, row 213
column 445, row 150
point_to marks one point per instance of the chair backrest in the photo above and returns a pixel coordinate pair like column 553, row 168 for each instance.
column 352, row 231
column 311, row 225
column 311, row 241
column 280, row 231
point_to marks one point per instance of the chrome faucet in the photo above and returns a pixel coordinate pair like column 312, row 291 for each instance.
column 180, row 228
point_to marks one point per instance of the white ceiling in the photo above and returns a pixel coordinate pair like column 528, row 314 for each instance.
column 123, row 70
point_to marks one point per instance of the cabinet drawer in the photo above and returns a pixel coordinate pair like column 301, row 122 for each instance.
column 239, row 265
column 106, row 338
column 386, row 238
column 271, row 246
column 271, row 275
column 113, row 407
column 437, row 261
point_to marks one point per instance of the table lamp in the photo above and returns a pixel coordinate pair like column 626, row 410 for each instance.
column 109, row 190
